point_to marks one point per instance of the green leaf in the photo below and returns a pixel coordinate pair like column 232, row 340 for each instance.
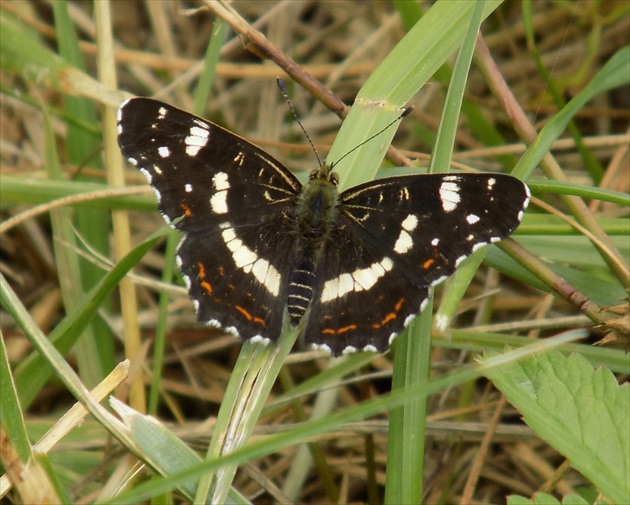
column 583, row 413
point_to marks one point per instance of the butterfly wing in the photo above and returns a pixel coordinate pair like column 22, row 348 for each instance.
column 396, row 237
column 200, row 171
column 231, row 199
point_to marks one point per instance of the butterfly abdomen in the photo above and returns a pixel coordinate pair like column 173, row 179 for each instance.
column 300, row 290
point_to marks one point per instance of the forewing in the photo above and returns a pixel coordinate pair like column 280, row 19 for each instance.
column 200, row 172
column 430, row 223
column 396, row 237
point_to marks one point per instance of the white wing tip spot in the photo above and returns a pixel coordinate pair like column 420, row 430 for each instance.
column 321, row 347
column 478, row 246
column 423, row 305
column 391, row 338
column 232, row 331
column 186, row 280
column 259, row 339
column 441, row 279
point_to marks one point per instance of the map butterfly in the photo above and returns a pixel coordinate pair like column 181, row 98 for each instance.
column 258, row 245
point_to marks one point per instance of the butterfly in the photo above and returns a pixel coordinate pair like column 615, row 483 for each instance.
column 260, row 250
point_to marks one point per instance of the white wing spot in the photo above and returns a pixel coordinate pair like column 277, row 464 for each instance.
column 247, row 260
column 188, row 188
column 162, row 111
column 449, row 193
column 403, row 195
column 491, row 182
column 435, row 242
column 359, row 280
column 472, row 218
column 218, row 201
column 164, row 152
column 410, row 223
column 220, row 181
column 197, row 138
column 404, row 242
column 239, row 159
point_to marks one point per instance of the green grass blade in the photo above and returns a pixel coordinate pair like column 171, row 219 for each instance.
column 615, row 73
column 34, row 372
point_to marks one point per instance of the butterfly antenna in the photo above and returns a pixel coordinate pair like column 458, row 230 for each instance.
column 403, row 114
column 283, row 90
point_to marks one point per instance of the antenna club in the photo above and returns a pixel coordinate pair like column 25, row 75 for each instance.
column 407, row 111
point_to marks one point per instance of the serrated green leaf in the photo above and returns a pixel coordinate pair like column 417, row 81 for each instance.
column 583, row 413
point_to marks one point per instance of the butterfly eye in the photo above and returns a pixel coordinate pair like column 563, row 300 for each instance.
column 314, row 174
column 334, row 178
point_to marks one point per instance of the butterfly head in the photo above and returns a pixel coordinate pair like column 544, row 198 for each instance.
column 324, row 173
column 316, row 209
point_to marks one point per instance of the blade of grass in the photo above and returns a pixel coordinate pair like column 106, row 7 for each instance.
column 249, row 387
column 34, row 372
column 412, row 365
column 95, row 349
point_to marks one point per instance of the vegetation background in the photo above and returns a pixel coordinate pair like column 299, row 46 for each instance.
column 546, row 98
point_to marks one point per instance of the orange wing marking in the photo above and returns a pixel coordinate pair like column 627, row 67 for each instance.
column 249, row 317
column 202, row 275
column 340, row 331
column 187, row 211
column 390, row 316
column 428, row 263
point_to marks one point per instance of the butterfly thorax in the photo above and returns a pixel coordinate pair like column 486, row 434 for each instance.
column 315, row 214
